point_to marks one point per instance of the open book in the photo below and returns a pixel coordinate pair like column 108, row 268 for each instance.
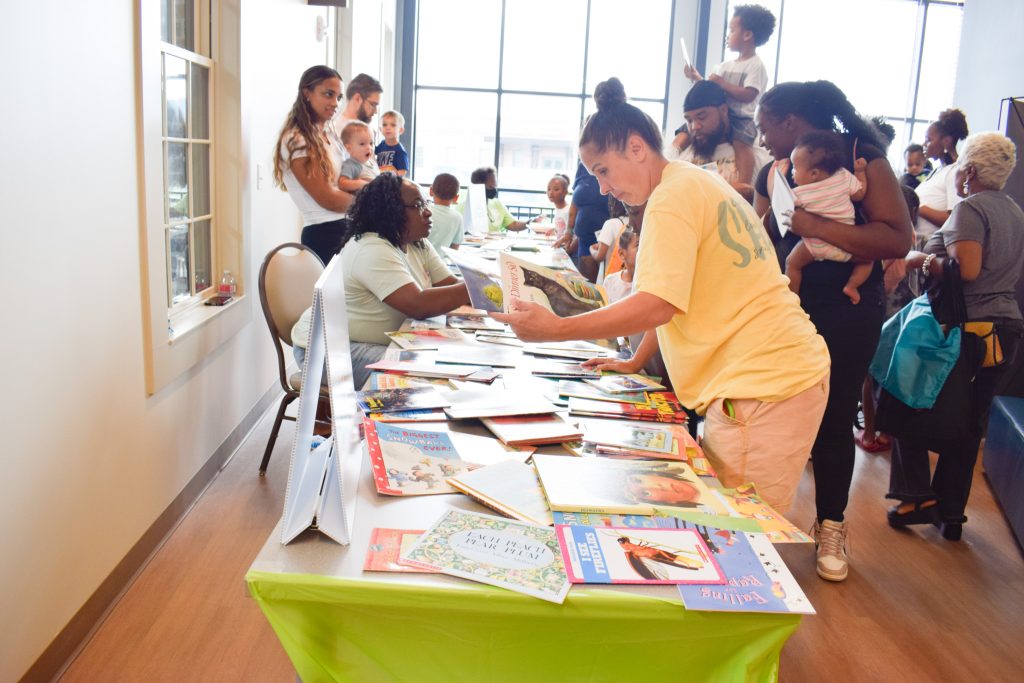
column 564, row 292
column 482, row 280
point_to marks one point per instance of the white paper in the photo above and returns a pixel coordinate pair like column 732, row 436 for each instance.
column 686, row 53
column 474, row 218
column 783, row 202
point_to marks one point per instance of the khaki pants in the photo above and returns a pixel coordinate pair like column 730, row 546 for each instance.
column 766, row 443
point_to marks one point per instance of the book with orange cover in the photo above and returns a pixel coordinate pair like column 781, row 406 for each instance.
column 386, row 547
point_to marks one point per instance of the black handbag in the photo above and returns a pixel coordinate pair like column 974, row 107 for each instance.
column 954, row 414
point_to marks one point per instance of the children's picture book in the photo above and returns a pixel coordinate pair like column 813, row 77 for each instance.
column 604, row 554
column 386, row 546
column 531, row 429
column 564, row 292
column 482, row 280
column 556, row 370
column 475, row 322
column 497, row 402
column 661, row 406
column 509, row 488
column 428, row 415
column 387, row 380
column 499, row 339
column 424, row 369
column 501, row 552
column 630, row 521
column 490, row 356
column 744, row 501
column 618, row 384
column 629, row 437
column 578, row 350
column 410, row 462
column 428, row 339
column 394, row 400
column 757, row 580
column 612, row 486
column 481, row 450
column 582, row 390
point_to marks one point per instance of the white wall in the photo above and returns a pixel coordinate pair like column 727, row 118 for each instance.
column 88, row 461
column 991, row 55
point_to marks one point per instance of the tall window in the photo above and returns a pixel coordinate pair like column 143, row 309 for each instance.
column 892, row 58
column 186, row 74
column 508, row 83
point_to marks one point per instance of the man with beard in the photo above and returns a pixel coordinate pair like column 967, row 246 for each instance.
column 707, row 118
column 362, row 100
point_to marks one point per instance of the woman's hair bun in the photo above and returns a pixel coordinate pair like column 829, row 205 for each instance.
column 609, row 93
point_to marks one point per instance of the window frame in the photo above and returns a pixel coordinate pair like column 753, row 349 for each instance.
column 910, row 119
column 179, row 337
column 195, row 297
column 410, row 64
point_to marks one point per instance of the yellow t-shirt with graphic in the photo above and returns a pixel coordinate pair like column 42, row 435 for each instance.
column 740, row 332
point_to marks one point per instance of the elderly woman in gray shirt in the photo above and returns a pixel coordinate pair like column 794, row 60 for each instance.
column 985, row 234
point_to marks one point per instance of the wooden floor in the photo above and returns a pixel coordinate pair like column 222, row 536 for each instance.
column 915, row 607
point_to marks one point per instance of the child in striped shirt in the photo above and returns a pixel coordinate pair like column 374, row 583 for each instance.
column 825, row 188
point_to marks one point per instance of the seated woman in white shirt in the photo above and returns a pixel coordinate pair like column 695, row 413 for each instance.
column 391, row 271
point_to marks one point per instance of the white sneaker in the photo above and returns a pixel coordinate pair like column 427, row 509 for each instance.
column 830, row 539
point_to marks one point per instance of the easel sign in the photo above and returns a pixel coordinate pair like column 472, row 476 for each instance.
column 475, row 216
column 315, row 498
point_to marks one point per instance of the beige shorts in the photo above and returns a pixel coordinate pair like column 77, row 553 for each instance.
column 765, row 443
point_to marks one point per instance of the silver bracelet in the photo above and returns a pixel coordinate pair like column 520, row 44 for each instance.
column 927, row 264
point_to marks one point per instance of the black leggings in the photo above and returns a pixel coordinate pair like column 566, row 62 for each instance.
column 851, row 334
column 325, row 238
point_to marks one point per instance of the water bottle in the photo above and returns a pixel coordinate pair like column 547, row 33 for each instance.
column 227, row 284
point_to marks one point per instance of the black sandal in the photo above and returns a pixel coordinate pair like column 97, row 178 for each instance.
column 918, row 515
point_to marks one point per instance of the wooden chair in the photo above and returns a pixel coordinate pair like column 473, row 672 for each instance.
column 286, row 282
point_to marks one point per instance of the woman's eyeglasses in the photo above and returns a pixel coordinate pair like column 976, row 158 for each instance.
column 418, row 205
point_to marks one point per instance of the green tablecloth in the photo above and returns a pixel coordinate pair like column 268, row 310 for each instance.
column 348, row 629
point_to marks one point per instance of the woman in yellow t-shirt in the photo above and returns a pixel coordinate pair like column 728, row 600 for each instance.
column 737, row 345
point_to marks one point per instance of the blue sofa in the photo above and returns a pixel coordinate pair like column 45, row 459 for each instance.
column 1003, row 458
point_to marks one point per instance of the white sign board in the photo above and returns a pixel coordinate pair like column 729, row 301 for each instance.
column 314, row 498
column 475, row 217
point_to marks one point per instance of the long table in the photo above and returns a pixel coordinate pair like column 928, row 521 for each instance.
column 338, row 623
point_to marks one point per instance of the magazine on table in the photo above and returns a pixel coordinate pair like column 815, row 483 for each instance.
column 426, row 339
column 475, row 322
column 501, row 552
column 395, row 400
column 496, row 402
column 564, row 292
column 617, row 384
column 411, row 462
column 757, row 580
column 627, row 555
column 660, row 407
column 612, row 486
column 630, row 521
column 629, row 437
column 570, row 388
column 532, row 429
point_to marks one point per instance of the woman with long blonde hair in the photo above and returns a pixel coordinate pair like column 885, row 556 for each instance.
column 308, row 158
